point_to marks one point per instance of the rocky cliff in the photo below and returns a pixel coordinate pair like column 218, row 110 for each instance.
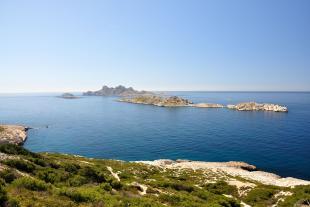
column 13, row 134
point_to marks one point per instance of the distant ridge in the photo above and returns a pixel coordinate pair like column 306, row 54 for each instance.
column 117, row 91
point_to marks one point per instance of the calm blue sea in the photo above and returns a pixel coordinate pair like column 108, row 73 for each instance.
column 103, row 128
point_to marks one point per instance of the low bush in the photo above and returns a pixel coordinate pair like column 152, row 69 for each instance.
column 16, row 150
column 20, row 165
column 71, row 167
column 300, row 197
column 220, row 188
column 31, row 184
column 106, row 186
column 51, row 175
column 3, row 194
column 260, row 196
column 78, row 195
column 92, row 174
column 116, row 184
column 8, row 175
column 177, row 186
column 77, row 180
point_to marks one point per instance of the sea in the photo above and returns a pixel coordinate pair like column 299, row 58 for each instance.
column 102, row 127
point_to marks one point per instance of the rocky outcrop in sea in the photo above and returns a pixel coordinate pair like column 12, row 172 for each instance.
column 13, row 134
column 68, row 96
column 173, row 101
column 252, row 106
column 117, row 91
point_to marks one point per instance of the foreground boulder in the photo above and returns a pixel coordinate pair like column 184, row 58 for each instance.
column 13, row 134
column 253, row 106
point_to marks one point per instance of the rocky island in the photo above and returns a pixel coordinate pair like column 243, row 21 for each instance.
column 252, row 106
column 175, row 101
column 48, row 179
column 13, row 134
column 170, row 101
column 117, row 91
column 68, row 96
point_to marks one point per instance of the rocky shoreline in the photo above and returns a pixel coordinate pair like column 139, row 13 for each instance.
column 175, row 101
column 232, row 168
column 13, row 134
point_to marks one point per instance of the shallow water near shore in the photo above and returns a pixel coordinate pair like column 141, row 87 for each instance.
column 100, row 127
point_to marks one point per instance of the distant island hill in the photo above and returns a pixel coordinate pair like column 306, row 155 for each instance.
column 130, row 95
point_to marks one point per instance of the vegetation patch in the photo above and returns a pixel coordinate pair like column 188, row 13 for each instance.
column 63, row 180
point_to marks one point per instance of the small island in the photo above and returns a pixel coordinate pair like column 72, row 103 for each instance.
column 175, row 101
column 68, row 96
column 252, row 106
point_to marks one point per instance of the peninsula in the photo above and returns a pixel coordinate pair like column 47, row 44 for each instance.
column 117, row 91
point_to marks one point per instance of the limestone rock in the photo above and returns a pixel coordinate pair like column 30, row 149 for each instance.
column 253, row 106
column 172, row 101
column 13, row 134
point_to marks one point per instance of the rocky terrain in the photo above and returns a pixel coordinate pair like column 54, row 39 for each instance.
column 117, row 91
column 252, row 106
column 207, row 105
column 172, row 101
column 47, row 179
column 68, row 96
column 13, row 134
column 175, row 101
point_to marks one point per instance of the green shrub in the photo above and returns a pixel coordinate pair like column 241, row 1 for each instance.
column 39, row 161
column 12, row 203
column 116, row 184
column 71, row 167
column 31, row 184
column 301, row 196
column 20, row 165
column 16, row 150
column 51, row 175
column 3, row 195
column 92, row 174
column 8, row 175
column 260, row 196
column 1, row 129
column 77, row 180
column 220, row 188
column 106, row 186
column 78, row 195
column 177, row 186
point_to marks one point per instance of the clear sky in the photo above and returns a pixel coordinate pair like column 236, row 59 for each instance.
column 77, row 45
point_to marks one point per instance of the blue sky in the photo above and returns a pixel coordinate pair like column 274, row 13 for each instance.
column 72, row 45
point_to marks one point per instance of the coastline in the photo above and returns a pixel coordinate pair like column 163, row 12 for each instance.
column 17, row 134
column 231, row 168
